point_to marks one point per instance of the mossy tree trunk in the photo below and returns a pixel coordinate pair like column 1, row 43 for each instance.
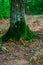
column 18, row 25
column 17, row 20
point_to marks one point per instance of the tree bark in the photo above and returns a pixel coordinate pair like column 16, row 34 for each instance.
column 17, row 16
column 17, row 11
column 18, row 25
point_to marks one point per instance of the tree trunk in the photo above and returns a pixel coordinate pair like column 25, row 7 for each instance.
column 17, row 16
column 17, row 11
column 18, row 26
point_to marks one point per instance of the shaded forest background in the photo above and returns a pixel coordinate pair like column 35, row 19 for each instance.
column 34, row 7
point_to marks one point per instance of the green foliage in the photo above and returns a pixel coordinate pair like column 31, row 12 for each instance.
column 4, row 9
column 0, row 8
column 35, row 6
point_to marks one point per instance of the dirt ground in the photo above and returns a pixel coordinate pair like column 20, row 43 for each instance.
column 25, row 53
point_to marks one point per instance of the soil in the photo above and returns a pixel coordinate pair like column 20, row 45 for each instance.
column 24, row 53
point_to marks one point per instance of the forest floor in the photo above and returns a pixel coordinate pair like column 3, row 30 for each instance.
column 25, row 53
